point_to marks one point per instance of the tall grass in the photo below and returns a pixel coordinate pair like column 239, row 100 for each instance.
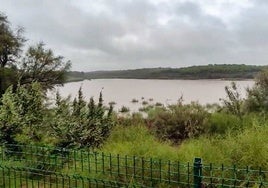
column 243, row 147
column 138, row 141
column 248, row 147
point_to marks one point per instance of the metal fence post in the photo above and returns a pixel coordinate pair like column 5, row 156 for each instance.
column 197, row 173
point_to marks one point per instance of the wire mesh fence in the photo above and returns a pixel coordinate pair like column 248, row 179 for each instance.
column 21, row 177
column 33, row 166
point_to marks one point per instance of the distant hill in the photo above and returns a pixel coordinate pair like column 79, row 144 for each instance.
column 223, row 71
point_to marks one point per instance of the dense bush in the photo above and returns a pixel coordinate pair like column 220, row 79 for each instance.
column 221, row 123
column 22, row 115
column 80, row 124
column 257, row 99
column 26, row 119
column 179, row 122
column 129, row 119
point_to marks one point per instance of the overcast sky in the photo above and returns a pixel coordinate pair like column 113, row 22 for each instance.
column 127, row 34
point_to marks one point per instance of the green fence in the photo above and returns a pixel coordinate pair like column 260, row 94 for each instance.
column 33, row 166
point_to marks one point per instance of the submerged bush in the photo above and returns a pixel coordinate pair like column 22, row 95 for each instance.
column 158, row 104
column 124, row 109
column 112, row 103
column 134, row 100
column 146, row 108
column 144, row 103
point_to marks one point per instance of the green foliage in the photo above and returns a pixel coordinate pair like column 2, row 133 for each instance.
column 9, row 118
column 8, row 77
column 10, row 49
column 179, row 122
column 41, row 65
column 80, row 124
column 25, row 119
column 129, row 120
column 244, row 148
column 257, row 100
column 37, row 65
column 21, row 115
column 234, row 102
column 11, row 42
column 221, row 123
column 137, row 140
column 216, row 71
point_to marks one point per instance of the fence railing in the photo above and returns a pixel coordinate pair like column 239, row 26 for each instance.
column 14, row 177
column 34, row 166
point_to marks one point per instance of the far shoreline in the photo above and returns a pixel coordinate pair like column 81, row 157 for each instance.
column 208, row 79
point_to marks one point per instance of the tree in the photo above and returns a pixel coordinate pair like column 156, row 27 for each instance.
column 10, row 50
column 38, row 64
column 10, row 42
column 8, row 77
column 42, row 66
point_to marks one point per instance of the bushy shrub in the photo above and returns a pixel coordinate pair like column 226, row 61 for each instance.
column 80, row 124
column 26, row 119
column 220, row 123
column 8, row 77
column 22, row 115
column 257, row 100
column 129, row 120
column 233, row 103
column 179, row 122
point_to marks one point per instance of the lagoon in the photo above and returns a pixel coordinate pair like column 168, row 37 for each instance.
column 123, row 91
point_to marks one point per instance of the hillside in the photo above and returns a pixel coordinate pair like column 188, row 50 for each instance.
column 223, row 71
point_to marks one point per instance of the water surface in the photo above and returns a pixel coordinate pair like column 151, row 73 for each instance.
column 122, row 91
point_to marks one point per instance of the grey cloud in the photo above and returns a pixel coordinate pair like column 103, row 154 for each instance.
column 140, row 33
column 252, row 26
